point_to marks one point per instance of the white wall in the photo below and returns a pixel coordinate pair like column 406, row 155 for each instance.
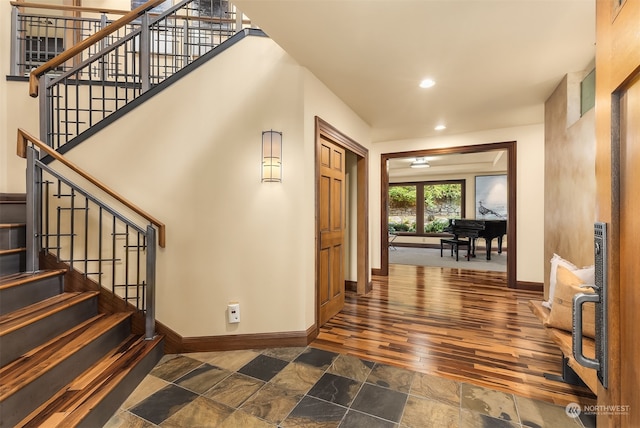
column 530, row 188
column 193, row 160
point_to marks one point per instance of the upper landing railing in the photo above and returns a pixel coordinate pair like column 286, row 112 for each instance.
column 40, row 32
column 80, row 88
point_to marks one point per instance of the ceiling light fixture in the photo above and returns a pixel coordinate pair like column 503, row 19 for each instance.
column 427, row 83
column 440, row 127
column 420, row 163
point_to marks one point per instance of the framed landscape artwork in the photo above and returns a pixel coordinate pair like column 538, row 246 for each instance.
column 491, row 197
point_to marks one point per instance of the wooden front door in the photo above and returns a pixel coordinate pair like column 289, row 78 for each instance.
column 331, row 227
column 629, row 250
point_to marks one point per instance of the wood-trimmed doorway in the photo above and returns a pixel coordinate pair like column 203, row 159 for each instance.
column 509, row 146
column 325, row 131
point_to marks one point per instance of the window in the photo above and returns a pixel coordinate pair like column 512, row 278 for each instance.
column 39, row 50
column 425, row 207
column 403, row 208
column 588, row 92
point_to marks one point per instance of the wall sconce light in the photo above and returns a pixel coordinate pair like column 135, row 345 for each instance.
column 271, row 156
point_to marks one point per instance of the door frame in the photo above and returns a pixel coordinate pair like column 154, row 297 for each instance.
column 324, row 130
column 509, row 146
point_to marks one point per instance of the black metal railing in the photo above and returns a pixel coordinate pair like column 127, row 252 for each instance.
column 114, row 248
column 75, row 100
column 38, row 37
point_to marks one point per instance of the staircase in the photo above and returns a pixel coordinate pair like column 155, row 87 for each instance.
column 63, row 362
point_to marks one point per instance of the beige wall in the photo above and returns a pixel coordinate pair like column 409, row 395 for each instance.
column 570, row 189
column 530, row 188
column 193, row 161
column 207, row 262
column 8, row 172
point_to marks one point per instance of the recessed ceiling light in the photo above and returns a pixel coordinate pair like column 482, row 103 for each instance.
column 440, row 127
column 427, row 83
column 420, row 163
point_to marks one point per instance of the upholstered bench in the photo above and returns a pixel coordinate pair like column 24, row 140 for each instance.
column 455, row 245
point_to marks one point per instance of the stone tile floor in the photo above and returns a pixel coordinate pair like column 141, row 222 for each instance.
column 308, row 387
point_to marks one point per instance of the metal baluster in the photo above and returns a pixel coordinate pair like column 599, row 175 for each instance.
column 72, row 229
column 100, row 246
column 138, row 273
column 113, row 255
column 86, row 236
column 151, row 284
column 32, row 211
column 126, row 264
column 145, row 64
column 15, row 51
column 45, row 110
column 45, row 217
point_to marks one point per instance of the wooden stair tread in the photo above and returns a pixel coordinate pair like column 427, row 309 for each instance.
column 75, row 401
column 30, row 314
column 20, row 278
column 34, row 363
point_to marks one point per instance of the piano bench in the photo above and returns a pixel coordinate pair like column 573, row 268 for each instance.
column 455, row 245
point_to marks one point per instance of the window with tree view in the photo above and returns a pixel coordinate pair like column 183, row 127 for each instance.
column 425, row 207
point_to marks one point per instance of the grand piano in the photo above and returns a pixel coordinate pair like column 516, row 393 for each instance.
column 474, row 229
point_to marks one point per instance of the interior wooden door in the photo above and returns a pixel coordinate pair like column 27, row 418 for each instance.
column 629, row 250
column 331, row 227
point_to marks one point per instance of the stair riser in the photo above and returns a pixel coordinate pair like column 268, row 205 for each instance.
column 13, row 212
column 107, row 407
column 29, row 293
column 12, row 237
column 27, row 399
column 13, row 263
column 16, row 343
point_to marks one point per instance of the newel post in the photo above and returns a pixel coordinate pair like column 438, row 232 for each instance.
column 33, row 210
column 150, row 312
column 145, row 57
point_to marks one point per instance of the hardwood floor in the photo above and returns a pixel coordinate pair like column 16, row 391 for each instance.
column 454, row 323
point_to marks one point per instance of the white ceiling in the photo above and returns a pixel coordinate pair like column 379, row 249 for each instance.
column 495, row 62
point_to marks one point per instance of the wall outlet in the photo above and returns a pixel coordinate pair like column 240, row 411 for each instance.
column 233, row 312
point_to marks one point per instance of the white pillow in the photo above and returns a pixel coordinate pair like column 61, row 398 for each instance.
column 586, row 274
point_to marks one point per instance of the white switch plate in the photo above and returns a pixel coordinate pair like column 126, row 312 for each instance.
column 233, row 312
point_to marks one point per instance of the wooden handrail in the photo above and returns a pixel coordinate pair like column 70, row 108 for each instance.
column 34, row 76
column 24, row 137
column 114, row 11
column 69, row 8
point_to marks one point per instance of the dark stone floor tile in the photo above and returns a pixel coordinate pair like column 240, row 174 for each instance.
column 271, row 403
column 263, row 367
column 355, row 419
column 174, row 368
column 287, row 354
column 163, row 404
column 203, row 378
column 471, row 419
column 311, row 412
column 316, row 358
column 336, row 389
column 391, row 377
column 351, row 367
column 382, row 402
column 234, row 390
column 589, row 421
